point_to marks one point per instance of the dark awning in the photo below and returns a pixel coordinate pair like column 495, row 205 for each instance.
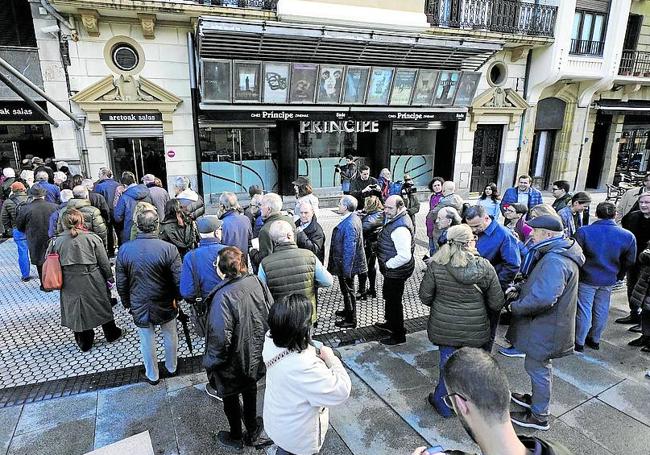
column 623, row 107
column 287, row 42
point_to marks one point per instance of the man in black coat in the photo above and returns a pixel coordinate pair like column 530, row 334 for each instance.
column 148, row 273
column 33, row 219
column 363, row 186
column 309, row 234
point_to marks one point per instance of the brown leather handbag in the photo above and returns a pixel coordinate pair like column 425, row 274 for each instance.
column 52, row 273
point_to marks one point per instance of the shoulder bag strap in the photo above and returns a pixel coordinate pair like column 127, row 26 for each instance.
column 195, row 278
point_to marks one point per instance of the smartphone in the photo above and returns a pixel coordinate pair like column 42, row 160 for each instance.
column 434, row 450
column 317, row 345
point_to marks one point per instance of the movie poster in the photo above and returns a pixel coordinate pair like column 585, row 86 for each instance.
column 424, row 87
column 276, row 83
column 403, row 87
column 356, row 82
column 467, row 89
column 330, row 84
column 446, row 88
column 215, row 81
column 379, row 87
column 303, row 82
column 246, row 82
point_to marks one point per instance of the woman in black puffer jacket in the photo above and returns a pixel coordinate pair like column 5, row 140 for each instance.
column 459, row 286
column 372, row 222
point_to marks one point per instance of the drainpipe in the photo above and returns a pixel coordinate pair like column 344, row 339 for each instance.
column 81, row 140
column 529, row 59
column 194, row 94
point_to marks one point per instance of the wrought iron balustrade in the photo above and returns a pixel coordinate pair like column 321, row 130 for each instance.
column 635, row 63
column 587, row 47
column 269, row 5
column 506, row 16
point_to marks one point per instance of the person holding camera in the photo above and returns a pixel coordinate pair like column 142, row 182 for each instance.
column 410, row 198
column 363, row 186
column 348, row 172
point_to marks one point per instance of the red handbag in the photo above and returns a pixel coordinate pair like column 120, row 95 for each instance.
column 52, row 273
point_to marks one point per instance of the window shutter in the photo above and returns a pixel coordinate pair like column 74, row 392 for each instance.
column 600, row 6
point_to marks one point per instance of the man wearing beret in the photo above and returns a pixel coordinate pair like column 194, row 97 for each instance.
column 544, row 313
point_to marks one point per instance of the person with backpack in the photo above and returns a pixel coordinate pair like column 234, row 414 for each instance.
column 8, row 215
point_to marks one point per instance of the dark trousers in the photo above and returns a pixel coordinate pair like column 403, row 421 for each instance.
column 110, row 240
column 349, row 299
column 393, row 291
column 233, row 410
column 645, row 323
column 39, row 269
column 371, row 275
column 86, row 338
column 494, row 317
column 632, row 278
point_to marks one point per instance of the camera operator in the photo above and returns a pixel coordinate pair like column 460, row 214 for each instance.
column 348, row 173
column 364, row 185
column 410, row 198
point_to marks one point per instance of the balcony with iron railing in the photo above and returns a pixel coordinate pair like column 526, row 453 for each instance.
column 269, row 5
column 635, row 63
column 505, row 16
column 587, row 47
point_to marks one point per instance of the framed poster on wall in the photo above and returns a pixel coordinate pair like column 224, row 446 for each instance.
column 330, row 84
column 247, row 82
column 467, row 88
column 446, row 88
column 215, row 81
column 403, row 87
column 303, row 82
column 276, row 83
column 379, row 86
column 424, row 87
column 356, row 83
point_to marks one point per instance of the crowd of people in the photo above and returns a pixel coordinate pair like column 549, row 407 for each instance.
column 252, row 277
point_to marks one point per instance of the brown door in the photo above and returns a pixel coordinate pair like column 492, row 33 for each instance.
column 485, row 160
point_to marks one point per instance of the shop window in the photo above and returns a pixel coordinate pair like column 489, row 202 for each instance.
column 588, row 33
column 319, row 153
column 634, row 151
column 412, row 153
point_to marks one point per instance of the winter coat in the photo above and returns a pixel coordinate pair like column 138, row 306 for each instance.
column 148, row 273
column 199, row 264
column 106, row 188
column 93, row 220
column 98, row 201
column 85, row 299
column 33, row 220
column 605, row 266
column 451, row 200
column 637, row 223
column 54, row 220
column 299, row 390
column 629, row 203
column 266, row 245
column 371, row 223
column 126, row 205
column 544, row 315
column 236, row 230
column 386, row 249
column 561, row 202
column 641, row 293
column 357, row 186
column 52, row 192
column 347, row 256
column 5, row 188
column 237, row 323
column 184, row 237
column 8, row 212
column 512, row 194
column 569, row 221
column 312, row 238
column 159, row 198
column 499, row 246
column 459, row 298
column 191, row 202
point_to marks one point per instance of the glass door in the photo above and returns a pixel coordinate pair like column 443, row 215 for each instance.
column 138, row 155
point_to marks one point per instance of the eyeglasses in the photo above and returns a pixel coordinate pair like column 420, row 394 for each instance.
column 449, row 402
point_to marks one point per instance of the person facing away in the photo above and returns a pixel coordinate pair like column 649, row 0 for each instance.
column 270, row 210
column 85, row 297
column 132, row 194
column 604, row 266
column 106, row 186
column 561, row 192
column 189, row 199
column 93, row 220
column 9, row 216
column 178, row 228
column 449, row 198
column 573, row 216
column 459, row 286
column 523, row 193
column 372, row 222
column 97, row 200
column 159, row 196
column 301, row 382
column 478, row 392
column 236, row 229
column 53, row 224
column 408, row 193
column 52, row 192
column 641, row 299
column 309, row 233
column 292, row 270
column 148, row 276
column 543, row 313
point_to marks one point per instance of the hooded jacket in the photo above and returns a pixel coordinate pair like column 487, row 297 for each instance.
column 459, row 298
column 544, row 315
column 126, row 205
column 191, row 202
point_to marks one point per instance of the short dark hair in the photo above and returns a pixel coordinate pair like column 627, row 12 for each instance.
column 606, row 210
column 127, row 178
column 474, row 211
column 474, row 374
column 581, row 196
column 290, row 322
column 563, row 185
column 524, row 176
column 434, row 180
column 231, row 262
column 254, row 189
column 365, row 167
column 147, row 221
column 77, row 180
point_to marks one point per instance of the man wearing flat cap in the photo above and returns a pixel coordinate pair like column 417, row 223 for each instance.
column 544, row 314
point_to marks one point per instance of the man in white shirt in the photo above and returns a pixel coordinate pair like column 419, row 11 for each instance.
column 395, row 247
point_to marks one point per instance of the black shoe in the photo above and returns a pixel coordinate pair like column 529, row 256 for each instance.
column 25, row 279
column 635, row 329
column 372, row 293
column 165, row 373
column 425, row 258
column 362, row 296
column 44, row 290
column 341, row 313
column 235, row 445
column 256, row 439
column 345, row 324
column 522, row 399
column 592, row 344
column 212, row 392
column 383, row 326
column 393, row 341
column 643, row 340
column 115, row 338
column 579, row 347
column 629, row 319
column 529, row 420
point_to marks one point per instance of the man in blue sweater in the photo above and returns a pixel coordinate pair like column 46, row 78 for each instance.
column 603, row 267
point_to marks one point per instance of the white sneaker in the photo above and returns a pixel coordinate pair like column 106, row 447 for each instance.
column 212, row 392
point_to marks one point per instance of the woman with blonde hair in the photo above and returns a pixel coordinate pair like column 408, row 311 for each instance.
column 459, row 286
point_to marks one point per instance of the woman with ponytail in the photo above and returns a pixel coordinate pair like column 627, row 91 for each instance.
column 459, row 286
column 85, row 295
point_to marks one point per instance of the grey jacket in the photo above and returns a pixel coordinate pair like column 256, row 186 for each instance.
column 544, row 316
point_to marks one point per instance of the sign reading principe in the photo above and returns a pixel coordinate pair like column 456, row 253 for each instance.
column 345, row 126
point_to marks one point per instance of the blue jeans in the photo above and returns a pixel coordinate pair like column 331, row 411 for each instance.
column 433, row 246
column 148, row 348
column 540, row 372
column 23, row 252
column 593, row 310
column 441, row 389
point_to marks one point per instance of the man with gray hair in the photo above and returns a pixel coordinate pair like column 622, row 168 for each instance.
column 292, row 270
column 347, row 258
column 52, row 192
column 189, row 199
column 270, row 210
column 159, row 196
column 93, row 220
column 236, row 230
column 66, row 195
column 147, row 274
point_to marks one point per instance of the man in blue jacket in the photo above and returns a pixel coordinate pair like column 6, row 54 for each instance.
column 236, row 230
column 52, row 192
column 106, row 186
column 133, row 194
column 523, row 193
column 603, row 267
